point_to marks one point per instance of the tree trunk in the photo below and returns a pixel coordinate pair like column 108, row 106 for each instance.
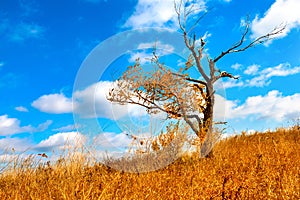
column 207, row 130
column 209, row 110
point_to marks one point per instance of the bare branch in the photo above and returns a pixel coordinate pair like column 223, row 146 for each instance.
column 197, row 22
column 196, row 117
column 262, row 39
column 196, row 57
column 154, row 105
column 178, row 12
column 225, row 74
column 190, row 79
column 189, row 122
column 220, row 122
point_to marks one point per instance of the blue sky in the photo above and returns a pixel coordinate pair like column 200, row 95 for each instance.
column 45, row 44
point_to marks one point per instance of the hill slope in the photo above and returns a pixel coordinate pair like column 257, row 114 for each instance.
column 259, row 166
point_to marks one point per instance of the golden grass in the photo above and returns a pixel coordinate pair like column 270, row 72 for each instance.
column 258, row 166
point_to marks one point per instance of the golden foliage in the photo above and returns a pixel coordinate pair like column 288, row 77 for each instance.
column 158, row 89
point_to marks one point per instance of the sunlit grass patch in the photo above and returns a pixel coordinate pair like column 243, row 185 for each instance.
column 256, row 166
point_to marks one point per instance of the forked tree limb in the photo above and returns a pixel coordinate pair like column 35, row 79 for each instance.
column 262, row 39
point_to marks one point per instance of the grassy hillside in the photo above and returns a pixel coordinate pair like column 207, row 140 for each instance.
column 258, row 166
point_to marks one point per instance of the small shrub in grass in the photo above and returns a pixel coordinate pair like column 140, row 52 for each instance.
column 153, row 153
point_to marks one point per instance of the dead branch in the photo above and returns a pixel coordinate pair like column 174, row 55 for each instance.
column 260, row 40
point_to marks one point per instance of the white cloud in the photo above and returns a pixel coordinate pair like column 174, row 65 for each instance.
column 43, row 126
column 1, row 64
column 92, row 102
column 53, row 103
column 264, row 76
column 157, row 13
column 252, row 69
column 63, row 140
column 230, row 83
column 258, row 81
column 272, row 106
column 281, row 12
column 164, row 48
column 21, row 109
column 10, row 145
column 261, row 78
column 145, row 55
column 223, row 107
column 112, row 140
column 283, row 69
column 11, row 126
column 204, row 38
column 236, row 66
column 67, row 128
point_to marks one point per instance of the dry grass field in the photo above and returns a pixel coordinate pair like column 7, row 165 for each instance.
column 257, row 166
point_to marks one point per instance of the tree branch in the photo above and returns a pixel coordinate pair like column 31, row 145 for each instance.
column 189, row 79
column 225, row 74
column 262, row 39
column 186, row 119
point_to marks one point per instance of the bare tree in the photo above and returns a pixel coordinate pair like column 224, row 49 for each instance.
column 176, row 93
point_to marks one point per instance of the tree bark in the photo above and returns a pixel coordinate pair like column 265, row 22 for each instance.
column 209, row 110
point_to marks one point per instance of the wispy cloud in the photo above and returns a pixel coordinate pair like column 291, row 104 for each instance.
column 145, row 52
column 43, row 126
column 21, row 109
column 262, row 78
column 67, row 128
column 11, row 126
column 167, row 48
column 157, row 13
column 252, row 69
column 230, row 83
column 24, row 31
column 281, row 12
column 236, row 66
column 22, row 28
